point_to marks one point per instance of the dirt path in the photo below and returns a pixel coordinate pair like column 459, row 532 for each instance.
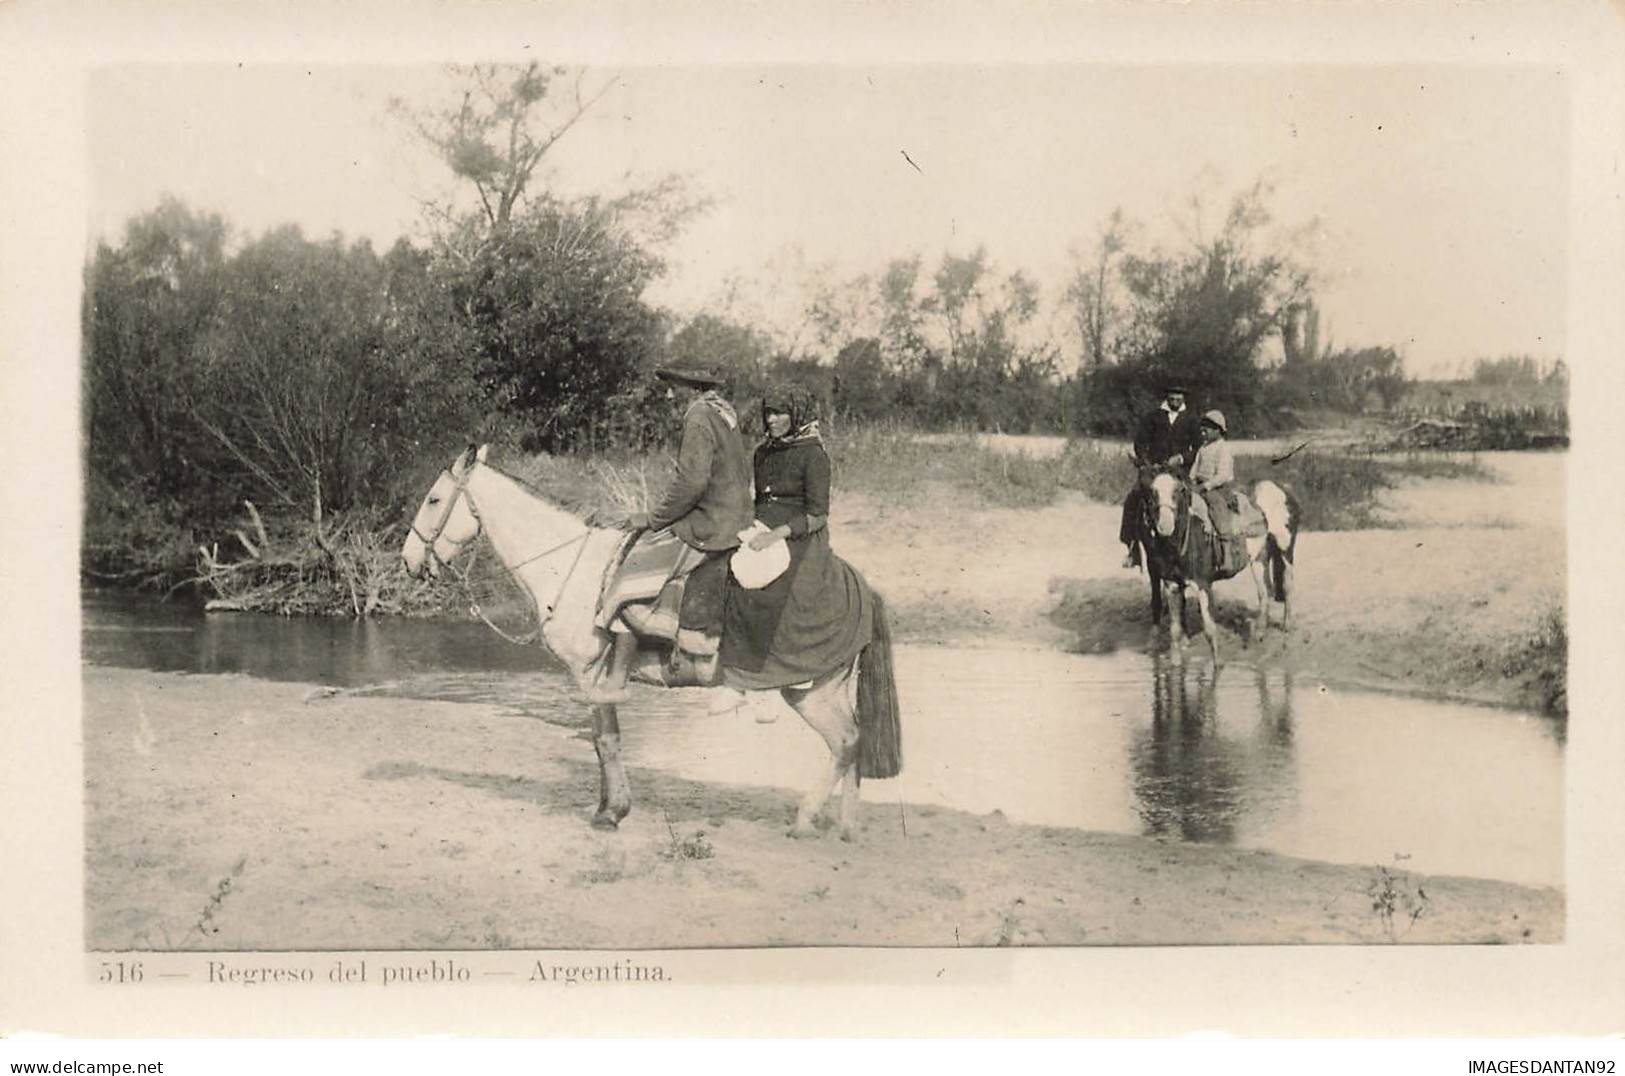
column 1444, row 605
column 229, row 813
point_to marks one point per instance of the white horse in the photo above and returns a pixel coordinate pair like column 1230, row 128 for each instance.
column 562, row 563
column 1175, row 532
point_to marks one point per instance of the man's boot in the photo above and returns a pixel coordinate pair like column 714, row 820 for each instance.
column 610, row 687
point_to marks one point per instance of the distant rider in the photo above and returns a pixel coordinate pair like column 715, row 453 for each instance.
column 1166, row 436
column 1214, row 472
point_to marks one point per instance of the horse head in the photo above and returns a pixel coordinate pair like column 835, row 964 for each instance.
column 1169, row 496
column 446, row 521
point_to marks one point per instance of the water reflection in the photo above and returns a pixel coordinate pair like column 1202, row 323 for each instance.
column 120, row 629
column 1199, row 780
column 1126, row 742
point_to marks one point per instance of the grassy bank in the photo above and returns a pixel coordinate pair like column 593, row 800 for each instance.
column 285, row 563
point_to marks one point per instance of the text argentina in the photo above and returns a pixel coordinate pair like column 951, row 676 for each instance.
column 623, row 972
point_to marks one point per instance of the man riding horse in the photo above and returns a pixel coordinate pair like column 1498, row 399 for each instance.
column 689, row 534
column 1166, row 436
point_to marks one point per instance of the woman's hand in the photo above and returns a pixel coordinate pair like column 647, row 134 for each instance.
column 762, row 539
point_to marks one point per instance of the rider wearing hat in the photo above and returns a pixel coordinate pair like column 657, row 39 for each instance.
column 1214, row 475
column 1214, row 467
column 706, row 506
column 709, row 501
column 1165, row 436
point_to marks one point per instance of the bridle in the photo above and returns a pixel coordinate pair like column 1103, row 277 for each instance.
column 1180, row 538
column 429, row 540
column 461, row 483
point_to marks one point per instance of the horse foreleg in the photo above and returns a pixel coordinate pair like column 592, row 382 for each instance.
column 829, row 709
column 1156, row 593
column 614, row 795
column 1176, row 620
column 1204, row 603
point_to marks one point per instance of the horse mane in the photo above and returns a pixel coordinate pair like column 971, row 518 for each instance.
column 535, row 491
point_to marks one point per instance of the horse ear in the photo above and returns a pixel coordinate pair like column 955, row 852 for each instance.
column 466, row 460
column 484, row 450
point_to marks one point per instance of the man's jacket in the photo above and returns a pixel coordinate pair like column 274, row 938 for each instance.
column 1159, row 439
column 709, row 501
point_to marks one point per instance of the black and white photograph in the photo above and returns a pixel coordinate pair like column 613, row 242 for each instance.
column 635, row 504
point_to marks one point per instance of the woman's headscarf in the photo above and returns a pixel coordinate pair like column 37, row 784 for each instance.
column 802, row 407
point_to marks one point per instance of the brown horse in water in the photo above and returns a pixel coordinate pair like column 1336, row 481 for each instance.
column 1177, row 535
column 562, row 562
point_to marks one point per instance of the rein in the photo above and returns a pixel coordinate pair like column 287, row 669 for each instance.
column 1181, row 538
column 463, row 574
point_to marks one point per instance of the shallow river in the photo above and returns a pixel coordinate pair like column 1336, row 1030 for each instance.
column 1127, row 742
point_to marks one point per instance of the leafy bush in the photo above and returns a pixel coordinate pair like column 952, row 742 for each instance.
column 1543, row 657
column 135, row 539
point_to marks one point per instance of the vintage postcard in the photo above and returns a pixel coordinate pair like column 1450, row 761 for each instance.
column 534, row 521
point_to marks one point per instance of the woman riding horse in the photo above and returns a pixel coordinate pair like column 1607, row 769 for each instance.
column 817, row 614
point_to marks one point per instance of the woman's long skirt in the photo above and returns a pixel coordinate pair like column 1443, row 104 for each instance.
column 811, row 620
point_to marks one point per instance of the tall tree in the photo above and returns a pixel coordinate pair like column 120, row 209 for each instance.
column 314, row 388
column 558, row 319
column 506, row 122
column 1091, row 293
column 550, row 289
column 1203, row 314
column 148, row 303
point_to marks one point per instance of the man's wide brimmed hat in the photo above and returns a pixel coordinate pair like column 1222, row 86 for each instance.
column 692, row 373
column 1216, row 418
column 1175, row 386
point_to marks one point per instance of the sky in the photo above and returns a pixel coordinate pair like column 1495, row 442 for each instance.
column 1432, row 198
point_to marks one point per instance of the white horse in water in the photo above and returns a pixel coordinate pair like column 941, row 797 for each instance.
column 1175, row 531
column 562, row 564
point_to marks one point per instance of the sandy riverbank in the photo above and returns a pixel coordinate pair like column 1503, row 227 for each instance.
column 228, row 813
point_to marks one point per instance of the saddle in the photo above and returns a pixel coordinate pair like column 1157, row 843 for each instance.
column 1230, row 528
column 670, row 595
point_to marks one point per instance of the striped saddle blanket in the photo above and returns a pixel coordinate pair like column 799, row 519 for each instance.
column 665, row 589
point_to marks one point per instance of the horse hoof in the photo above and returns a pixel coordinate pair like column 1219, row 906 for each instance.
column 605, row 821
column 802, row 831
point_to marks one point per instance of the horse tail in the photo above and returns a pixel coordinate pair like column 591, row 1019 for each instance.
column 880, row 733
